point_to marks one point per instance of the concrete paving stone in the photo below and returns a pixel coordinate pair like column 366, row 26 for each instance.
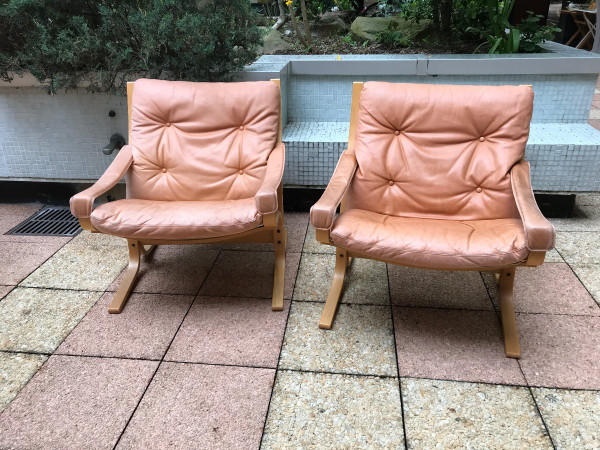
column 5, row 290
column 585, row 218
column 196, row 406
column 19, row 259
column 360, row 342
column 85, row 267
column 233, row 331
column 579, row 247
column 366, row 280
column 311, row 245
column 38, row 320
column 172, row 269
column 453, row 345
column 589, row 275
column 11, row 214
column 144, row 329
column 16, row 369
column 560, row 351
column 248, row 274
column 75, row 403
column 447, row 414
column 318, row 410
column 572, row 417
column 437, row 288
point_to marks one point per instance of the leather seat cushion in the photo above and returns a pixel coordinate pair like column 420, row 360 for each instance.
column 431, row 243
column 149, row 219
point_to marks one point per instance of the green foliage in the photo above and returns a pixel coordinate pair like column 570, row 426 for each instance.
column 348, row 40
column 344, row 5
column 392, row 37
column 533, row 34
column 107, row 42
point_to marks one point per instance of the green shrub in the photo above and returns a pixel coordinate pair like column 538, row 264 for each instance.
column 392, row 37
column 107, row 42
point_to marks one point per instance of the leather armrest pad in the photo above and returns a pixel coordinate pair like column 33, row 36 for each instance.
column 266, row 197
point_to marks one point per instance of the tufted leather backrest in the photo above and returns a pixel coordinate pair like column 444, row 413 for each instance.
column 441, row 152
column 201, row 141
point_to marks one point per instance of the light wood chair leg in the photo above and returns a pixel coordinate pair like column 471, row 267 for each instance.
column 341, row 263
column 280, row 239
column 122, row 294
column 148, row 250
column 512, row 348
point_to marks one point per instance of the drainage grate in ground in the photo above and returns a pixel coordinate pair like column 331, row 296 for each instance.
column 49, row 221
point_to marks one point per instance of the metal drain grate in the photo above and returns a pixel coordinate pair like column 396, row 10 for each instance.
column 49, row 221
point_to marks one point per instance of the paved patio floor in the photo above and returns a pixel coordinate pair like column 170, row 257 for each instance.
column 197, row 359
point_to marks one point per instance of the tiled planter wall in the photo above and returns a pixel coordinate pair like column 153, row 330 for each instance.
column 60, row 137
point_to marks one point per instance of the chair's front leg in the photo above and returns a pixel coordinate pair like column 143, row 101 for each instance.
column 280, row 240
column 122, row 294
column 512, row 348
column 335, row 292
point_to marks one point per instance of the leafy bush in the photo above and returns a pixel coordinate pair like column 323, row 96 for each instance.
column 392, row 37
column 533, row 34
column 107, row 42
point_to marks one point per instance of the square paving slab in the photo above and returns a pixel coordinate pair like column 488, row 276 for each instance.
column 4, row 290
column 589, row 275
column 572, row 417
column 234, row 331
column 560, row 351
column 75, row 402
column 172, row 269
column 248, row 274
column 437, row 288
column 317, row 410
column 311, row 245
column 579, row 247
column 365, row 282
column 446, row 414
column 360, row 342
column 453, row 345
column 15, row 371
column 196, row 406
column 144, row 329
column 38, row 320
column 19, row 259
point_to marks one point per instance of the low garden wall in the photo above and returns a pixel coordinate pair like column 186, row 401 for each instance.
column 60, row 137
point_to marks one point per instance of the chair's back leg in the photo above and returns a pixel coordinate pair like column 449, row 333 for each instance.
column 512, row 348
column 280, row 241
column 335, row 292
column 122, row 294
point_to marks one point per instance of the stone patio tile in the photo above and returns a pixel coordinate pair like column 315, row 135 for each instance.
column 366, row 280
column 587, row 199
column 438, row 288
column 572, row 417
column 550, row 288
column 15, row 371
column 19, row 259
column 11, row 214
column 453, row 345
column 361, row 341
column 311, row 245
column 195, row 406
column 233, row 331
column 5, row 290
column 172, row 269
column 38, row 320
column 295, row 223
column 560, row 351
column 447, row 414
column 589, row 275
column 579, row 247
column 86, row 238
column 317, row 410
column 248, row 274
column 585, row 218
column 553, row 256
column 85, row 267
column 144, row 328
column 75, row 402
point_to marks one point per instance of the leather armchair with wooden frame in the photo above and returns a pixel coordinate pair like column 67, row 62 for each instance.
column 434, row 177
column 204, row 164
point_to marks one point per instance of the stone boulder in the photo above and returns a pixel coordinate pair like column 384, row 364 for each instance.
column 367, row 28
column 273, row 42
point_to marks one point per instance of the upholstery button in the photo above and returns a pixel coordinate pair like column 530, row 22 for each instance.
column 478, row 189
column 168, row 124
column 164, row 170
column 242, row 127
column 241, row 172
column 396, row 132
column 391, row 183
column 481, row 139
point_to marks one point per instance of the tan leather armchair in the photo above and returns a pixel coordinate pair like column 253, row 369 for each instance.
column 204, row 164
column 434, row 177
